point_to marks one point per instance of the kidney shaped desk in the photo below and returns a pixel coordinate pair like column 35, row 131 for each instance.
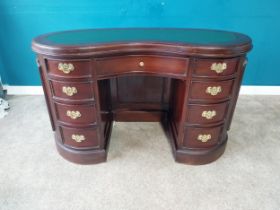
column 188, row 79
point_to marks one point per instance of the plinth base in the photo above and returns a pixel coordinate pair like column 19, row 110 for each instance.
column 199, row 156
column 193, row 156
column 81, row 156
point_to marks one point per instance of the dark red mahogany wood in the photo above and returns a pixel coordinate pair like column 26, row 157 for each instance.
column 189, row 84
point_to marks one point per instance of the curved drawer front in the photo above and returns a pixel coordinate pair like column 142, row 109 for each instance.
column 201, row 137
column 146, row 64
column 211, row 90
column 80, row 138
column 69, row 68
column 76, row 114
column 72, row 90
column 215, row 67
column 201, row 113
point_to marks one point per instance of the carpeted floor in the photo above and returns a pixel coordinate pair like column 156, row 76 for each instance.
column 140, row 172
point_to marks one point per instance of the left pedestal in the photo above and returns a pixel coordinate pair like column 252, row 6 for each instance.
column 72, row 98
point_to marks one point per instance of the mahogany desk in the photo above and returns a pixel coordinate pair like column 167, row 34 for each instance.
column 188, row 79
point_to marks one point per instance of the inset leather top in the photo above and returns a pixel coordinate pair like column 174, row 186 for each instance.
column 172, row 40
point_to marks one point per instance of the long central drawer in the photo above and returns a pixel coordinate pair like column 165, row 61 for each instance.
column 145, row 64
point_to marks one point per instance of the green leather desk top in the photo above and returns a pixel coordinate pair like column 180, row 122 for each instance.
column 185, row 36
column 191, row 40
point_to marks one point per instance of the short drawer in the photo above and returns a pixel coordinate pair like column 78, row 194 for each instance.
column 201, row 137
column 72, row 90
column 211, row 90
column 145, row 64
column 205, row 113
column 77, row 114
column 69, row 68
column 80, row 138
column 215, row 67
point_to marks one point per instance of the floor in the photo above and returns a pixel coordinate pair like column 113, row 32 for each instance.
column 140, row 172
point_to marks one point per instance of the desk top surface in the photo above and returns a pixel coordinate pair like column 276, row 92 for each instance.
column 167, row 36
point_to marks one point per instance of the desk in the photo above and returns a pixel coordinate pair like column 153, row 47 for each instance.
column 187, row 79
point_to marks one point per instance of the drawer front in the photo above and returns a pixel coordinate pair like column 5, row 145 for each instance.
column 77, row 114
column 215, row 67
column 201, row 113
column 211, row 90
column 72, row 90
column 80, row 138
column 201, row 137
column 69, row 68
column 145, row 64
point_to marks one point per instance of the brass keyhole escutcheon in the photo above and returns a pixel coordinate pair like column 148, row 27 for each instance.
column 213, row 91
column 219, row 67
column 73, row 114
column 70, row 91
column 66, row 68
column 78, row 138
column 209, row 114
column 204, row 137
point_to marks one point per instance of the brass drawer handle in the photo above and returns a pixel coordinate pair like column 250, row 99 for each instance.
column 73, row 114
column 209, row 114
column 66, row 68
column 70, row 91
column 214, row 90
column 219, row 67
column 204, row 137
column 141, row 64
column 78, row 138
